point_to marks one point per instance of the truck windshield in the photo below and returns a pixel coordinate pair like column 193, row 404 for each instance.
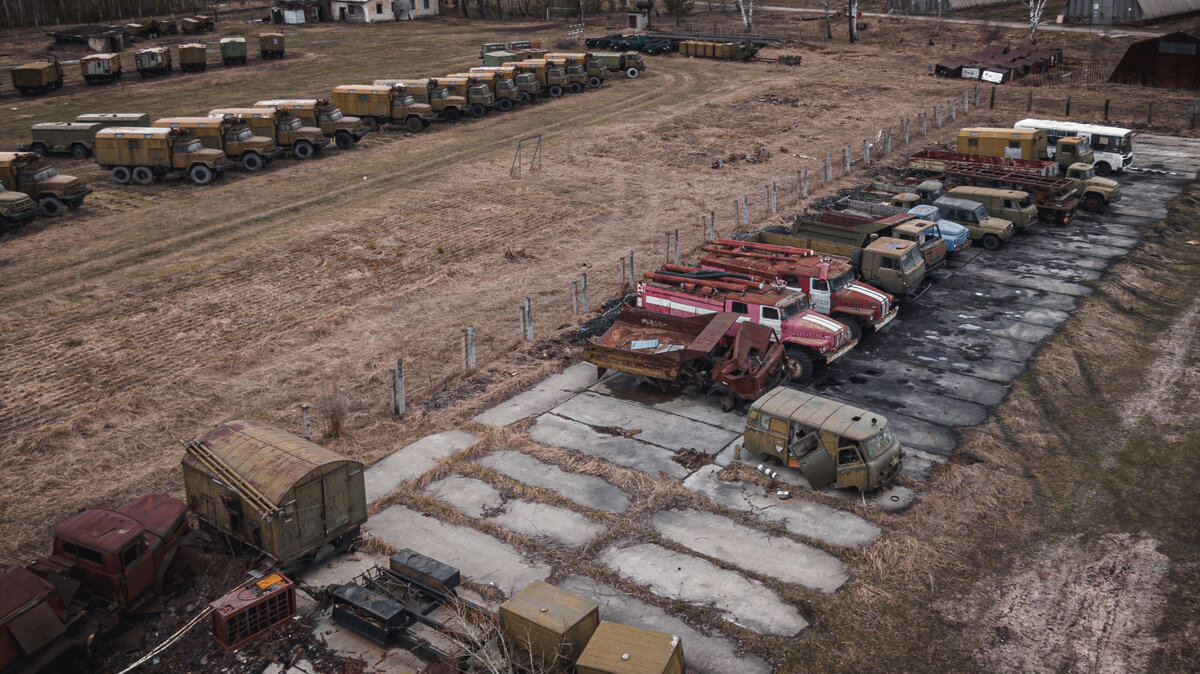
column 1024, row 202
column 290, row 125
column 1084, row 146
column 1085, row 175
column 875, row 446
column 575, row 69
column 440, row 93
column 506, row 85
column 335, row 115
column 39, row 175
column 838, row 282
column 935, row 193
column 242, row 135
column 408, row 101
column 556, row 72
column 194, row 146
column 911, row 259
column 479, row 90
column 980, row 213
column 793, row 308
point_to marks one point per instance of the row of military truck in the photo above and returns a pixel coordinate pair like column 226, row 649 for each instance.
column 758, row 310
column 32, row 79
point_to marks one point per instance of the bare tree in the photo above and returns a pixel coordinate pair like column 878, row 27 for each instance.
column 852, row 10
column 1036, row 7
column 747, row 9
column 828, row 24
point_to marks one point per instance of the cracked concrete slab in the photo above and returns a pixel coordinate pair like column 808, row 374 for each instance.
column 699, row 408
column 411, row 461
column 556, row 431
column 480, row 500
column 471, row 497
column 586, row 490
column 664, row 429
column 550, row 392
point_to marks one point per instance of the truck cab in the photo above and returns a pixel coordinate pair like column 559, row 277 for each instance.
column 928, row 238
column 234, row 138
column 503, row 88
column 552, row 78
column 828, row 441
column 1094, row 192
column 595, row 69
column 1072, row 150
column 478, row 95
column 28, row 173
column 286, row 129
column 525, row 82
column 988, row 231
column 577, row 76
column 33, row 79
column 954, row 236
column 446, row 106
column 1016, row 206
column 380, row 104
column 345, row 130
column 16, row 209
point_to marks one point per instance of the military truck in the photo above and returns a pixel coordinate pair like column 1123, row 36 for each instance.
column 446, row 107
column 1016, row 206
column 16, row 208
column 855, row 228
column 498, row 58
column 100, row 68
column 233, row 51
column 1024, row 144
column 33, row 79
column 28, row 173
column 597, row 72
column 287, row 130
column 74, row 138
column 526, row 83
column 228, row 135
column 577, row 77
column 988, row 231
column 885, row 190
column 631, row 63
column 886, row 263
column 270, row 45
column 115, row 118
column 193, row 57
column 377, row 105
column 1094, row 193
column 478, row 95
column 489, row 47
column 828, row 441
column 551, row 78
column 1054, row 196
column 153, row 61
column 504, row 90
column 141, row 154
column 345, row 130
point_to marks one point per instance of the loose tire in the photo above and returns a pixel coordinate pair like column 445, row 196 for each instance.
column 200, row 174
column 632, row 72
column 576, row 87
column 451, row 115
column 252, row 161
column 595, row 82
column 120, row 175
column 504, row 104
column 799, row 365
column 525, row 97
column 52, row 207
column 556, row 90
column 343, row 140
column 990, row 242
column 477, row 110
column 1093, row 203
column 39, row 148
column 303, row 149
column 1102, row 168
column 142, row 175
column 79, row 151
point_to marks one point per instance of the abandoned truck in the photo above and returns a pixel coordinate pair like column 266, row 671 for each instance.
column 710, row 353
column 100, row 68
column 74, row 138
column 288, row 132
column 595, row 69
column 1055, row 198
column 988, row 231
column 478, row 95
column 504, row 90
column 829, row 283
column 28, row 173
column 526, row 83
column 551, row 78
column 228, row 135
column 445, row 106
column 631, row 63
column 377, row 105
column 16, row 208
column 886, row 263
column 141, row 154
column 807, row 336
column 828, row 441
column 859, row 229
column 33, row 79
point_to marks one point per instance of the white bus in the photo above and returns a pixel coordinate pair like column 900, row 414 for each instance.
column 1112, row 145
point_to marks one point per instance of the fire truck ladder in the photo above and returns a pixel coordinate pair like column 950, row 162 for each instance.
column 230, row 478
column 1026, row 179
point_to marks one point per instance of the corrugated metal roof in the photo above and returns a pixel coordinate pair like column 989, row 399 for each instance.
column 967, row 4
column 1156, row 9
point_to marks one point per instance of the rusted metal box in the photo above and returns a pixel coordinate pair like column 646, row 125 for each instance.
column 622, row 649
column 546, row 624
column 368, row 614
column 427, row 571
column 244, row 614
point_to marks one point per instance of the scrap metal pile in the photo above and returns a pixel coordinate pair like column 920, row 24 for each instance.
column 1000, row 63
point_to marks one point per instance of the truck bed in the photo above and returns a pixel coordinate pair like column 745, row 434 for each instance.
column 937, row 161
column 656, row 345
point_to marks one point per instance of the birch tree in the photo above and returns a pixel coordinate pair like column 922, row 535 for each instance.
column 828, row 24
column 852, row 10
column 747, row 9
column 1036, row 7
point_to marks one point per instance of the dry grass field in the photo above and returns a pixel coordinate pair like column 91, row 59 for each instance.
column 151, row 314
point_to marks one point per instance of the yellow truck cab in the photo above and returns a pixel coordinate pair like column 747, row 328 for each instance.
column 597, row 71
column 446, row 106
column 383, row 104
column 286, row 129
column 478, row 95
column 28, row 173
column 552, row 78
column 577, row 76
column 345, row 130
column 828, row 441
column 231, row 136
column 527, row 84
column 503, row 89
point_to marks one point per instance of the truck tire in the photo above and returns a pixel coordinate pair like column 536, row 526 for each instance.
column 414, row 124
column 576, row 87
column 343, row 140
column 632, row 72
column 556, row 90
column 142, row 175
column 370, row 123
column 252, row 161
column 799, row 365
column 595, row 82
column 303, row 150
column 477, row 110
column 1093, row 203
column 200, row 174
column 79, row 151
column 39, row 148
column 120, row 175
column 1102, row 168
column 856, row 261
column 856, row 327
column 451, row 115
column 504, row 104
column 525, row 97
column 52, row 207
column 990, row 242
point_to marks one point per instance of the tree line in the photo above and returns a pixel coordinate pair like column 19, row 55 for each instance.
column 32, row 13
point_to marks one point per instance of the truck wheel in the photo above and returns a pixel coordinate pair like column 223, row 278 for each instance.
column 856, row 261
column 576, row 87
column 52, row 207
column 856, row 328
column 414, row 124
column 452, row 115
column 343, row 140
column 142, row 175
column 79, row 151
column 120, row 175
column 504, row 104
column 303, row 149
column 370, row 123
column 477, row 110
column 990, row 242
column 556, row 90
column 252, row 161
column 799, row 365
column 595, row 82
column 632, row 72
column 1102, row 168
column 1093, row 203
column 39, row 148
column 525, row 97
column 200, row 174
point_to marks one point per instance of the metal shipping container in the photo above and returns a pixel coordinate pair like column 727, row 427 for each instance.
column 546, row 624
column 621, row 649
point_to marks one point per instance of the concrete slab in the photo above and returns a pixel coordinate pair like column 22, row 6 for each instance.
column 674, row 575
column 664, row 429
column 413, row 460
column 698, row 408
column 797, row 515
column 587, row 490
column 538, row 519
column 477, row 555
column 377, row 660
column 550, row 392
column 705, row 654
column 1027, row 281
column 471, row 497
column 919, row 464
column 556, row 431
column 883, row 394
column 721, row 538
column 341, row 569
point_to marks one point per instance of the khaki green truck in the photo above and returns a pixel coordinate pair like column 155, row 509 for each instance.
column 1016, row 206
column 16, row 208
column 828, row 441
column 445, row 106
column 990, row 232
column 888, row 264
column 526, row 83
column 28, row 173
column 551, row 78
column 235, row 139
column 345, row 130
column 595, row 69
column 287, row 130
column 377, row 105
column 478, row 95
column 74, row 138
column 34, row 79
column 115, row 118
column 631, row 63
column 143, row 154
column 504, row 89
column 1094, row 193
column 193, row 57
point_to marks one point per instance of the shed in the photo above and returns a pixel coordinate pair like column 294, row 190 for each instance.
column 1169, row 61
column 362, row 11
column 1105, row 12
column 276, row 491
column 297, row 12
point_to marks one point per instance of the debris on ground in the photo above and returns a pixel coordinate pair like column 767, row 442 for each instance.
column 692, row 458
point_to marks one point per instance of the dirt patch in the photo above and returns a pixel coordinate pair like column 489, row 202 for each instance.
column 1075, row 606
column 691, row 458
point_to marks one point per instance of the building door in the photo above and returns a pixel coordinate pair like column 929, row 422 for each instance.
column 342, row 13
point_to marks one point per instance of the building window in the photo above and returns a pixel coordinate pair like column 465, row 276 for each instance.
column 379, row 8
column 426, row 4
column 1177, row 48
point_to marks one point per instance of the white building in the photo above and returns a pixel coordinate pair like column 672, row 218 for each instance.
column 414, row 9
column 362, row 11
